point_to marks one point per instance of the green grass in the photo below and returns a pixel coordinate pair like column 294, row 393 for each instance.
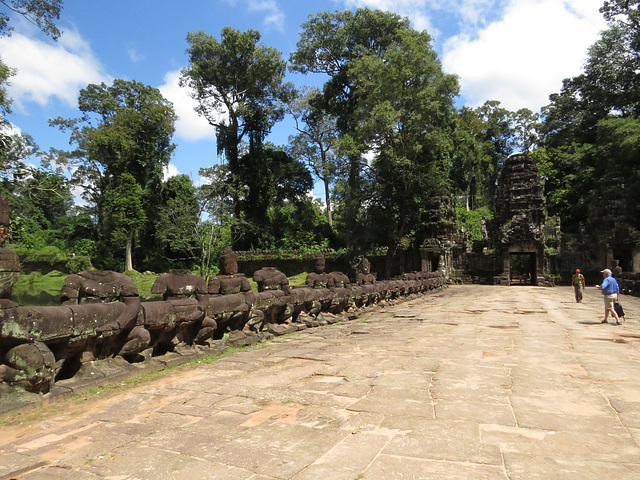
column 134, row 380
column 143, row 283
column 299, row 279
column 38, row 289
column 12, row 417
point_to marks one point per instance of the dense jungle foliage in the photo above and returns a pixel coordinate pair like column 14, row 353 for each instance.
column 384, row 135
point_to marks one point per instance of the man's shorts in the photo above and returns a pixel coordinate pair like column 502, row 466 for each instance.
column 609, row 300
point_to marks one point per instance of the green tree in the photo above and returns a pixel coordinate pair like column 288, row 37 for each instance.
column 299, row 225
column 316, row 141
column 40, row 202
column 467, row 171
column 217, row 222
column 526, row 125
column 125, row 128
column 5, row 101
column 328, row 43
column 124, row 213
column 497, row 141
column 270, row 177
column 42, row 13
column 178, row 218
column 14, row 150
column 625, row 13
column 590, row 138
column 238, row 84
column 405, row 115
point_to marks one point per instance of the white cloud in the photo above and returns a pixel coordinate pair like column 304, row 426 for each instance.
column 190, row 126
column 414, row 10
column 133, row 55
column 273, row 15
column 47, row 70
column 169, row 171
column 202, row 181
column 521, row 58
column 268, row 9
column 472, row 13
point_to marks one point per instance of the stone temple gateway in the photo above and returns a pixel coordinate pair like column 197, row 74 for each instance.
column 521, row 226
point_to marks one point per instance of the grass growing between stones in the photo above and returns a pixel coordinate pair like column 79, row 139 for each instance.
column 143, row 282
column 299, row 279
column 134, row 380
column 107, row 388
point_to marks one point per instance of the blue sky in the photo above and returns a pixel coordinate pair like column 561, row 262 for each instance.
column 514, row 51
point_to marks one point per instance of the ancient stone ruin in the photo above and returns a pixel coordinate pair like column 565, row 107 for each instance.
column 520, row 221
column 102, row 330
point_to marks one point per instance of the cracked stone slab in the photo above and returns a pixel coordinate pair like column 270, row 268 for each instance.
column 490, row 373
column 397, row 467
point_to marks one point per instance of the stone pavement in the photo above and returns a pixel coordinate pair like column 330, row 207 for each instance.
column 473, row 382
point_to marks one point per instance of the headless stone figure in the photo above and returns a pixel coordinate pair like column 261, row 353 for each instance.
column 95, row 287
column 182, row 284
column 270, row 279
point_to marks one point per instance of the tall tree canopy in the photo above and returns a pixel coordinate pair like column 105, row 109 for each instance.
column 42, row 13
column 316, row 141
column 271, row 177
column 328, row 43
column 238, row 83
column 179, row 215
column 591, row 142
column 405, row 115
column 393, row 104
column 125, row 128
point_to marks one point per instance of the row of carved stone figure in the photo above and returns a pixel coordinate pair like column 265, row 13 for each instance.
column 101, row 315
column 629, row 283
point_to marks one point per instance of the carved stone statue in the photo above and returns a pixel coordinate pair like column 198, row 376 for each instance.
column 29, row 367
column 229, row 281
column 363, row 273
column 270, row 278
column 319, row 278
column 106, row 287
column 180, row 285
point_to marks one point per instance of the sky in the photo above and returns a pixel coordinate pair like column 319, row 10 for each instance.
column 514, row 51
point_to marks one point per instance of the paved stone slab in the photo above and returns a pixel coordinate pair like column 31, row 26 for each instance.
column 475, row 382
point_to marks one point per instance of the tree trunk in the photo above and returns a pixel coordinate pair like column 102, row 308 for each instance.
column 128, row 263
column 393, row 250
column 352, row 201
column 328, row 199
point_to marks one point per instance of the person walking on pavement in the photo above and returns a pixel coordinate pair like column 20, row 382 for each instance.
column 610, row 291
column 578, row 284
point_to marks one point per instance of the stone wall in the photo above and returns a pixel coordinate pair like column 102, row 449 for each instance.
column 102, row 326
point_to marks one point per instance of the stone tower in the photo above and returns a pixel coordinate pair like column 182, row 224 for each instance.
column 520, row 221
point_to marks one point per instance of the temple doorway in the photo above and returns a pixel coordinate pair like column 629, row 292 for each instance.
column 522, row 268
